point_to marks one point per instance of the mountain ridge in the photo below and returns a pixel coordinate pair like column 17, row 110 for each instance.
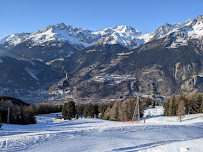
column 124, row 35
column 109, row 63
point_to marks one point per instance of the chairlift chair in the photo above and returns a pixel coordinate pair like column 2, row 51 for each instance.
column 64, row 86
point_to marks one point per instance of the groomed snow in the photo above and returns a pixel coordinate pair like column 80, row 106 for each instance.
column 158, row 134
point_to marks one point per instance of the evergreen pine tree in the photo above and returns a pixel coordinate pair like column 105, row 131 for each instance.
column 201, row 108
column 148, row 102
column 69, row 110
column 21, row 114
column 166, row 108
column 96, row 110
column 80, row 109
column 173, row 106
column 169, row 107
column 85, row 112
column 91, row 110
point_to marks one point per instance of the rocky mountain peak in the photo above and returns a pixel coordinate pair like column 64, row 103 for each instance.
column 15, row 38
column 124, row 35
column 200, row 18
column 163, row 30
column 118, row 30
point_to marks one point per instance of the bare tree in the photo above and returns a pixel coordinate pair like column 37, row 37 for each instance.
column 181, row 110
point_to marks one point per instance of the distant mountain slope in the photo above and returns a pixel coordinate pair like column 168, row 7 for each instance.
column 153, row 69
column 26, row 80
column 110, row 63
column 13, row 101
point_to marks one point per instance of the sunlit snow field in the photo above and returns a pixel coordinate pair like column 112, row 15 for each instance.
column 158, row 134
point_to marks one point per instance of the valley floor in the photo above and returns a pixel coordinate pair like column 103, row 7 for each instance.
column 158, row 134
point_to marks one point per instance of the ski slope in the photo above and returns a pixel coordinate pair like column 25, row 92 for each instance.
column 158, row 134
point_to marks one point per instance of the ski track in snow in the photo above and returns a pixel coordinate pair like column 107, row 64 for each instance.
column 158, row 134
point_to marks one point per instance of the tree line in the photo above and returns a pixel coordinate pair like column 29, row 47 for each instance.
column 178, row 105
column 114, row 111
column 70, row 110
column 25, row 114
column 121, row 110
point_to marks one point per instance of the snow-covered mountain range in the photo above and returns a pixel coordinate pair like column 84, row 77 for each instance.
column 166, row 61
column 124, row 35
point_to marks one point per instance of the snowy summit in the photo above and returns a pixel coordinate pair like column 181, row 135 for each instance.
column 124, row 35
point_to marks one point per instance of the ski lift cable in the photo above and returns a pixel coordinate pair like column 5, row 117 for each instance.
column 30, row 59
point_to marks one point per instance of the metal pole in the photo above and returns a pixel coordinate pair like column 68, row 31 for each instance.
column 136, row 115
column 8, row 115
column 138, row 107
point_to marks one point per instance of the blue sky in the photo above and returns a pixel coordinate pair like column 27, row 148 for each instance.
column 146, row 15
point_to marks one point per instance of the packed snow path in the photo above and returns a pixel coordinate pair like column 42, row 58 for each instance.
column 158, row 134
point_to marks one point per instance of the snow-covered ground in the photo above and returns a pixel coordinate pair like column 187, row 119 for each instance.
column 158, row 134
